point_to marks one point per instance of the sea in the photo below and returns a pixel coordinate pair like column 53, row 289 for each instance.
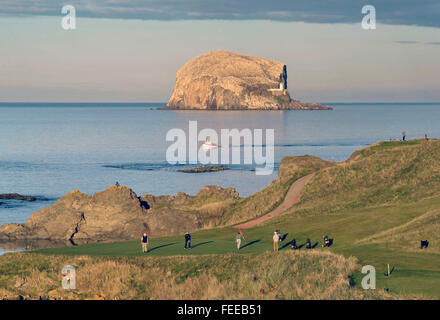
column 50, row 149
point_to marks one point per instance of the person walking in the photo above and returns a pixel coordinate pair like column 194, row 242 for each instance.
column 187, row 240
column 403, row 136
column 144, row 242
column 238, row 240
column 276, row 238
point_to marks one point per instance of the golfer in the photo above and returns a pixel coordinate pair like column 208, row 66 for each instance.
column 276, row 238
column 238, row 240
column 144, row 242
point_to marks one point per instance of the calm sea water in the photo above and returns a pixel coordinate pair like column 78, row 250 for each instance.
column 47, row 150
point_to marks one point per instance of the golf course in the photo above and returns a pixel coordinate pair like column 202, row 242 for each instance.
column 376, row 207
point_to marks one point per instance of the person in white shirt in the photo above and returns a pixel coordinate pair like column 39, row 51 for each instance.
column 238, row 240
column 276, row 238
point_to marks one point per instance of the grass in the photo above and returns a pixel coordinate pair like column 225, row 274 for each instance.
column 389, row 144
column 287, row 275
column 402, row 172
column 264, row 201
column 416, row 272
column 367, row 205
column 409, row 235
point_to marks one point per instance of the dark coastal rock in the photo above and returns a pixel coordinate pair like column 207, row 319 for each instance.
column 204, row 169
column 119, row 214
column 222, row 80
column 16, row 196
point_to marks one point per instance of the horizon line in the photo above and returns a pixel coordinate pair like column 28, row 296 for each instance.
column 162, row 102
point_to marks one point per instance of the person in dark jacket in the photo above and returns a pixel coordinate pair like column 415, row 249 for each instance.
column 424, row 244
column 326, row 241
column 187, row 240
column 144, row 242
column 308, row 244
column 293, row 244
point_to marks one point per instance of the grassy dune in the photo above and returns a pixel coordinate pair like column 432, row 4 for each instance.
column 386, row 173
column 288, row 275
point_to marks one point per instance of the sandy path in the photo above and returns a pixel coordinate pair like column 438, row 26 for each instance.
column 292, row 197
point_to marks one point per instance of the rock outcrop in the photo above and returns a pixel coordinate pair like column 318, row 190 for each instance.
column 204, row 169
column 16, row 196
column 221, row 80
column 119, row 214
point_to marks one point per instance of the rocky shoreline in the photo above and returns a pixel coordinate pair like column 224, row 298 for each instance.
column 294, row 106
column 119, row 214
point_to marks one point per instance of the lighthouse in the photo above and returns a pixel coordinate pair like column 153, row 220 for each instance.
column 283, row 82
column 283, row 78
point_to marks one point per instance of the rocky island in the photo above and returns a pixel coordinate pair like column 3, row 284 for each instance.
column 222, row 80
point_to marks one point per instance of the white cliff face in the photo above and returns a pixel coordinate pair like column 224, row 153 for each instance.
column 221, row 80
column 224, row 80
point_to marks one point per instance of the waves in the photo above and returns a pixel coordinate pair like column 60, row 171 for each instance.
column 305, row 145
column 148, row 166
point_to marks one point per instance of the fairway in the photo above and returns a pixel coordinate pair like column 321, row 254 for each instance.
column 415, row 272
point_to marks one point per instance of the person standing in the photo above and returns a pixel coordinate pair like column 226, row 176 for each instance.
column 238, row 240
column 187, row 240
column 403, row 136
column 242, row 235
column 276, row 238
column 308, row 244
column 144, row 242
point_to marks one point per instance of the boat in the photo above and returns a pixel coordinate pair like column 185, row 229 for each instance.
column 207, row 145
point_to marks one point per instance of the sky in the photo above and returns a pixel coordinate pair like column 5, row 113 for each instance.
column 130, row 51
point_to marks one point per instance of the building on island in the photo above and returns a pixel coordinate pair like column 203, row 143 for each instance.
column 283, row 83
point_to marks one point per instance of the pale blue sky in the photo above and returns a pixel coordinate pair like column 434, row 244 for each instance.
column 129, row 60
